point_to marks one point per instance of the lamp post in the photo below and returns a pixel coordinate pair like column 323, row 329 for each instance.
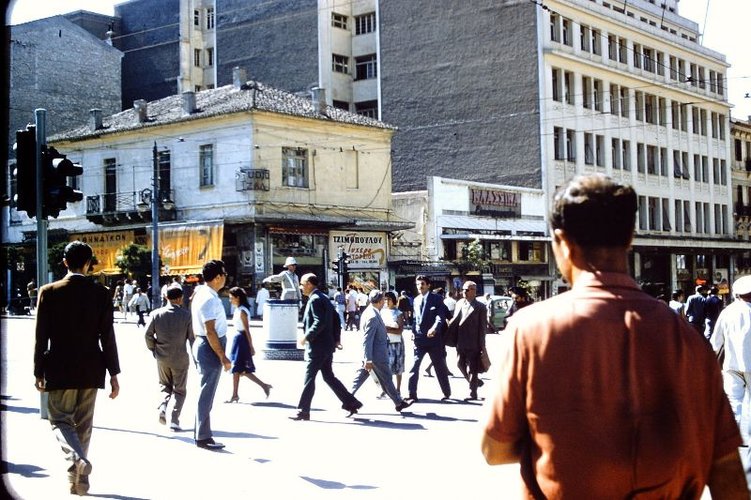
column 155, row 288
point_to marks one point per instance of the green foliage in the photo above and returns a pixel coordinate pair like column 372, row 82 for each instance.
column 473, row 257
column 135, row 261
column 11, row 257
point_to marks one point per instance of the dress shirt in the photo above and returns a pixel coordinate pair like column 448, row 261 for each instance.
column 733, row 330
column 205, row 306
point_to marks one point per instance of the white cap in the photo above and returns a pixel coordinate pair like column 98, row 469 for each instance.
column 742, row 286
column 290, row 262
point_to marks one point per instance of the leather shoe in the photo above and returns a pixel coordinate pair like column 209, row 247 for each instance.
column 162, row 418
column 444, row 399
column 301, row 415
column 412, row 399
column 175, row 427
column 209, row 444
column 403, row 405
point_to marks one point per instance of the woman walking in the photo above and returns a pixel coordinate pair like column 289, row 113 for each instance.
column 242, row 351
column 394, row 320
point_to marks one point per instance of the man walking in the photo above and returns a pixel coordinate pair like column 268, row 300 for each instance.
column 427, row 332
column 732, row 334
column 695, row 308
column 168, row 329
column 322, row 335
column 712, row 309
column 375, row 351
column 210, row 329
column 469, row 326
column 604, row 392
column 75, row 345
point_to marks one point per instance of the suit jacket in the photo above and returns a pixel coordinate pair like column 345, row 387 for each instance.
column 375, row 341
column 166, row 332
column 469, row 329
column 75, row 338
column 321, row 326
column 432, row 315
column 695, row 312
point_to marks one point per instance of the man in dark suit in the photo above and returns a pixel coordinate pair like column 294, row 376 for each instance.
column 75, row 344
column 469, row 326
column 427, row 332
column 322, row 335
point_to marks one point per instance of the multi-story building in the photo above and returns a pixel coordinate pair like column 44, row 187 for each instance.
column 740, row 132
column 246, row 173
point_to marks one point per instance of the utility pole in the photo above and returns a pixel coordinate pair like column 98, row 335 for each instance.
column 156, row 300
column 40, row 120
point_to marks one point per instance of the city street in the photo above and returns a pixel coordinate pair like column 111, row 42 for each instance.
column 431, row 451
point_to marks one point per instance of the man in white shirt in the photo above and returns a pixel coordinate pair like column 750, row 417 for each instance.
column 289, row 281
column 128, row 290
column 261, row 297
column 210, row 329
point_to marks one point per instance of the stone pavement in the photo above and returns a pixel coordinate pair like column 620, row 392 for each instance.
column 432, row 451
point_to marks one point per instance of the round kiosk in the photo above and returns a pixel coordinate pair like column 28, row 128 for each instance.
column 280, row 329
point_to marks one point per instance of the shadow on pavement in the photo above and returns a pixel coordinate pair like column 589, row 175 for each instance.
column 112, row 495
column 25, row 470
column 435, row 416
column 273, row 404
column 335, row 485
column 18, row 409
column 385, row 424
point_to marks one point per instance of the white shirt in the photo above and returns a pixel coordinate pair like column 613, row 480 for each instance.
column 678, row 306
column 128, row 289
column 733, row 329
column 261, row 297
column 450, row 303
column 206, row 305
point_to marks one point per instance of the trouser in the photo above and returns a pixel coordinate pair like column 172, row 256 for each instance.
column 437, row 353
column 209, row 369
column 140, row 312
column 469, row 365
column 340, row 312
column 172, row 381
column 323, row 364
column 382, row 373
column 737, row 389
column 71, row 414
column 351, row 320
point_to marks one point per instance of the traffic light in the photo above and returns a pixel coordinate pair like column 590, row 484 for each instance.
column 56, row 169
column 25, row 171
column 335, row 266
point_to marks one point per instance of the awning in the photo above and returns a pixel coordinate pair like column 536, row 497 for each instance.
column 185, row 248
column 106, row 247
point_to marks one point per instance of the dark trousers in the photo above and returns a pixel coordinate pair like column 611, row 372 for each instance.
column 437, row 353
column 469, row 365
column 140, row 312
column 323, row 364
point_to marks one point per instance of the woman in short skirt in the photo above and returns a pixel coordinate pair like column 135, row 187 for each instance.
column 242, row 351
column 394, row 320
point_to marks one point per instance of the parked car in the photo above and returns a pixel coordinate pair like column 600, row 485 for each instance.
column 499, row 307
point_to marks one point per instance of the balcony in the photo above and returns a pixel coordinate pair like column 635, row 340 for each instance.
column 115, row 209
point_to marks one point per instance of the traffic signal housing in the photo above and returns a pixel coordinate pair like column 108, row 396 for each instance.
column 56, row 168
column 25, row 171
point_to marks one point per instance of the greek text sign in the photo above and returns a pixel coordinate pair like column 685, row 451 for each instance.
column 365, row 250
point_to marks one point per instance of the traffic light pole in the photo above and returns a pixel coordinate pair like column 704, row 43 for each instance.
column 155, row 298
column 40, row 120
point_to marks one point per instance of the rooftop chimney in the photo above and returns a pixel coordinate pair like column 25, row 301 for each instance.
column 95, row 119
column 239, row 77
column 142, row 110
column 318, row 96
column 189, row 102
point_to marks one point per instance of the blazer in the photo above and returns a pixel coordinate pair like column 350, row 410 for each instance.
column 434, row 314
column 75, row 338
column 321, row 326
column 375, row 341
column 166, row 332
column 469, row 330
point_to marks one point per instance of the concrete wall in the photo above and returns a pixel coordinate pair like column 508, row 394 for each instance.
column 467, row 109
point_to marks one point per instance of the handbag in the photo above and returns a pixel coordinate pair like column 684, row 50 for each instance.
column 484, row 361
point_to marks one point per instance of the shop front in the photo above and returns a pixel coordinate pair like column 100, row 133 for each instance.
column 366, row 253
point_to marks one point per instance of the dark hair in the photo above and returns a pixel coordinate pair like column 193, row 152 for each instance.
column 212, row 269
column 422, row 277
column 238, row 292
column 714, row 290
column 174, row 292
column 77, row 253
column 390, row 295
column 440, row 291
column 595, row 211
column 676, row 294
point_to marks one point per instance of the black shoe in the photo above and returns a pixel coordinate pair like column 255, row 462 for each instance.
column 445, row 399
column 301, row 415
column 175, row 427
column 412, row 399
column 472, row 396
column 209, row 444
column 352, row 407
column 428, row 373
column 480, row 383
column 404, row 405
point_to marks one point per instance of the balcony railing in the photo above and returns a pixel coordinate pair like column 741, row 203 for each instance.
column 111, row 209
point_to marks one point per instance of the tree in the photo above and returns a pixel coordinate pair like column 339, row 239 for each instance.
column 135, row 260
column 473, row 258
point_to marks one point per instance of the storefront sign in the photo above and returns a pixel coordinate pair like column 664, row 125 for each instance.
column 495, row 202
column 186, row 248
column 106, row 246
column 365, row 250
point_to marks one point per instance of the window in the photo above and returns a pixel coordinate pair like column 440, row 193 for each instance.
column 295, row 167
column 196, row 17
column 110, row 185
column 197, row 58
column 684, row 118
column 531, row 251
column 340, row 64
column 694, row 77
column 338, row 20
column 675, row 114
column 699, row 217
column 723, row 173
column 720, row 84
column 684, row 161
column 623, row 51
column 365, row 23
column 210, row 18
column 650, row 108
column 624, row 102
column 677, row 170
column 367, row 108
column 738, row 150
column 597, row 94
column 639, row 105
column 584, row 38
column 640, row 157
column 662, row 105
column 587, row 92
column 600, row 150
column 570, row 145
column 681, row 70
column 344, row 105
column 664, row 162
column 366, row 67
column 555, row 27
column 626, row 155
column 687, row 216
column 721, row 124
column 642, row 212
column 567, row 33
column 558, row 143
column 589, row 154
column 557, row 84
column 706, row 218
column 702, row 83
column 654, row 214
column 704, row 169
column 206, row 164
column 615, row 153
column 596, row 42
column 713, row 81
column 697, row 168
column 209, row 57
column 568, row 87
column 678, row 205
column 649, row 59
column 652, row 160
column 660, row 63
column 165, row 172
column 612, row 47
column 665, row 214
column 614, row 99
column 715, row 170
column 714, row 124
column 703, row 122
column 673, row 68
column 637, row 55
